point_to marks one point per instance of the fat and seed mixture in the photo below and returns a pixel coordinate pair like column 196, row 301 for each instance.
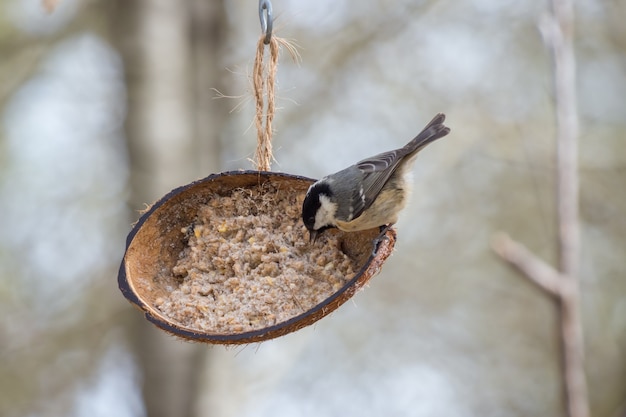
column 248, row 264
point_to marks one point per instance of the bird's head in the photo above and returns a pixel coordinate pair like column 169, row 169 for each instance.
column 318, row 209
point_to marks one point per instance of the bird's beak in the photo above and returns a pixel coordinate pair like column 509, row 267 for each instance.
column 313, row 236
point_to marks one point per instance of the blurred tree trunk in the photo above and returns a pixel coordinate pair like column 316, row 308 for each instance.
column 171, row 52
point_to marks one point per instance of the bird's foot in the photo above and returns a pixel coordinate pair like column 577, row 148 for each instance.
column 381, row 237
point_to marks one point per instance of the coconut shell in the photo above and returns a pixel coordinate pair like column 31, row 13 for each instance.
column 155, row 244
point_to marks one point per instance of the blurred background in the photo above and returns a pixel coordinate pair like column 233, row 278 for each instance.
column 106, row 105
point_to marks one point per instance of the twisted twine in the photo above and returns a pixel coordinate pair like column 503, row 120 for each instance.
column 264, row 84
column 263, row 155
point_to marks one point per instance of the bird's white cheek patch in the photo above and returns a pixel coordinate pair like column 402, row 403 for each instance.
column 325, row 215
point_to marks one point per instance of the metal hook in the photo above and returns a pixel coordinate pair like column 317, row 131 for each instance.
column 266, row 19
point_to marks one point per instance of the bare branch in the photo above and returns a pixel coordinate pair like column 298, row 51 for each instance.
column 558, row 31
column 561, row 33
column 537, row 270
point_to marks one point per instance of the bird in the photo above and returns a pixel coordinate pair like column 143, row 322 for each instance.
column 370, row 193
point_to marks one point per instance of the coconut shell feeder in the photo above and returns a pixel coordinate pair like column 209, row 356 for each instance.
column 160, row 238
column 227, row 259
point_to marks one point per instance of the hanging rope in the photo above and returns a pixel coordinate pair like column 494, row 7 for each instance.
column 264, row 84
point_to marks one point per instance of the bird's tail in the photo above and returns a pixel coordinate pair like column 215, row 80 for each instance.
column 433, row 131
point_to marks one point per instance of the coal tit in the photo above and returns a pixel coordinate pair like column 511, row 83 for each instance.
column 370, row 193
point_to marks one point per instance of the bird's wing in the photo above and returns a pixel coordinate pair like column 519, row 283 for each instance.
column 376, row 171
